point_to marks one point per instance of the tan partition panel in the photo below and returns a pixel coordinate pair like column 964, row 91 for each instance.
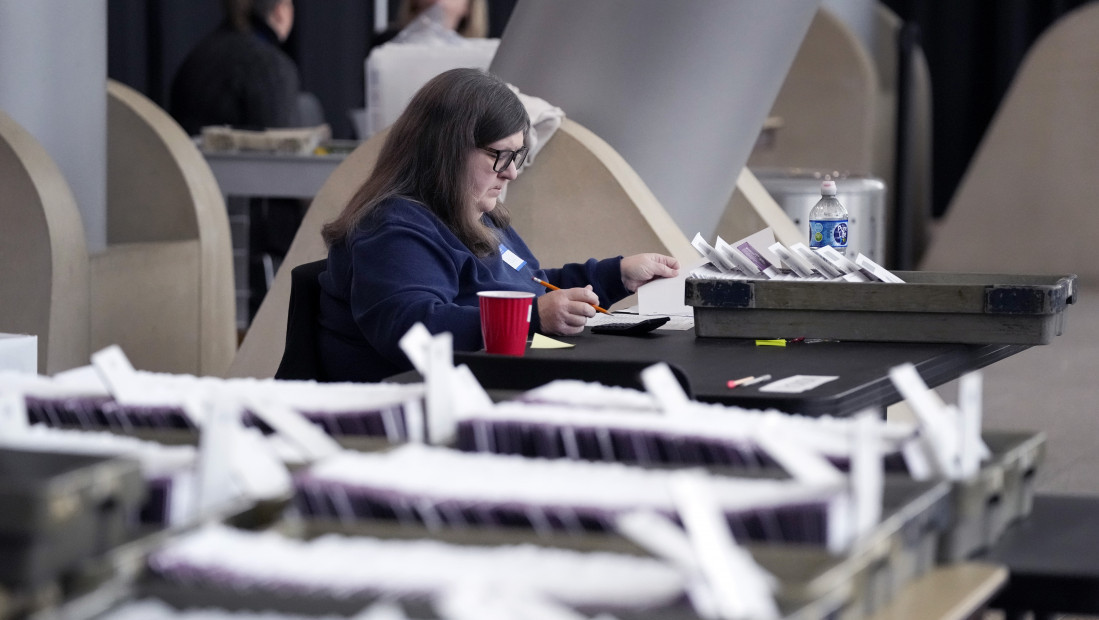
column 1027, row 201
column 43, row 256
column 827, row 105
column 1027, row 205
column 837, row 110
column 161, row 191
column 752, row 209
column 580, row 200
column 145, row 299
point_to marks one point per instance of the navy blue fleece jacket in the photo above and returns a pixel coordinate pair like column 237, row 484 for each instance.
column 402, row 265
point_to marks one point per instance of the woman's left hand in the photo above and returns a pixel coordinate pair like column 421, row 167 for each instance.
column 642, row 268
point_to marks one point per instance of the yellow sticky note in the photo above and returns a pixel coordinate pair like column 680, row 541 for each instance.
column 771, row 343
column 542, row 342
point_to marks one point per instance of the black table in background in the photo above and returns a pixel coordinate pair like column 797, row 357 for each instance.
column 1052, row 558
column 705, row 365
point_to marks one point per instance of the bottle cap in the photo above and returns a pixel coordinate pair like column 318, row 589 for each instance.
column 828, row 188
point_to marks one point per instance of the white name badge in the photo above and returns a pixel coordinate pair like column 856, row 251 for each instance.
column 511, row 258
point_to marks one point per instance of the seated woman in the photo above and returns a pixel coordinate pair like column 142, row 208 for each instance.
column 425, row 233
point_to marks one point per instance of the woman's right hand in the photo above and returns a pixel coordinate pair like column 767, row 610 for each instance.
column 565, row 312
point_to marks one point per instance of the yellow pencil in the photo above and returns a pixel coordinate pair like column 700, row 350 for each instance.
column 557, row 288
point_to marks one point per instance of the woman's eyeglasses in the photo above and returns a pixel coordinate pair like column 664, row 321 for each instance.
column 504, row 158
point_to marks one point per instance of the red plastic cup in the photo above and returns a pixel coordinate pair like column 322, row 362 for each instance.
column 505, row 321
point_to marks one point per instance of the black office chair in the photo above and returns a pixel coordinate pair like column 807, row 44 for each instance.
column 300, row 358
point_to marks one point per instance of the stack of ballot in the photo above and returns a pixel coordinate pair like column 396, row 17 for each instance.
column 760, row 257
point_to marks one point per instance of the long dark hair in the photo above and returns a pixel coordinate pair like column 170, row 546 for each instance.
column 426, row 155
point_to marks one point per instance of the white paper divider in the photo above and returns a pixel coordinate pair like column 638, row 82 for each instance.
column 126, row 385
column 969, row 443
column 742, row 589
column 792, row 261
column 870, row 268
column 440, row 382
column 700, row 244
column 937, row 430
column 414, row 421
column 433, row 357
column 382, row 610
column 917, row 459
column 479, row 600
column 708, row 252
column 307, row 437
column 738, row 260
column 471, row 397
column 117, row 373
column 217, row 442
column 759, row 258
column 837, row 260
column 867, row 472
column 800, row 250
column 659, row 536
column 801, row 462
column 971, row 403
column 660, row 382
column 723, row 262
column 257, row 472
column 664, row 539
column 825, row 268
column 414, row 344
column 13, row 415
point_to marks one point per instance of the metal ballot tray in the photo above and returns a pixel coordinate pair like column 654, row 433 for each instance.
column 964, row 308
column 1001, row 493
column 58, row 509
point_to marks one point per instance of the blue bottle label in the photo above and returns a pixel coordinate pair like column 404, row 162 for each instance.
column 828, row 232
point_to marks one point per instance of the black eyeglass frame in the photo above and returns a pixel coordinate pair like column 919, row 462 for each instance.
column 504, row 158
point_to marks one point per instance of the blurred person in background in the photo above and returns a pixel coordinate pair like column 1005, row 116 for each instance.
column 240, row 76
column 468, row 18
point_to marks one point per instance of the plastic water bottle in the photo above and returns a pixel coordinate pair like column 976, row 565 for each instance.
column 828, row 220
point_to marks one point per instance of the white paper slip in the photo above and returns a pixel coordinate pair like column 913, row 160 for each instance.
column 664, row 296
column 797, row 384
column 19, row 352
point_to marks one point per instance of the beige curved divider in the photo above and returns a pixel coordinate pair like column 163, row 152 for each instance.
column 1027, row 200
column 43, row 254
column 1027, row 205
column 827, row 104
column 163, row 288
column 752, row 209
column 579, row 199
column 829, row 114
column 838, row 110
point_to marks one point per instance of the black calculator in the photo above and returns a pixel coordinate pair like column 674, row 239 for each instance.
column 638, row 328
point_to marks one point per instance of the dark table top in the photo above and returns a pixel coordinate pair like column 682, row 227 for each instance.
column 1060, row 537
column 1052, row 557
column 707, row 364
